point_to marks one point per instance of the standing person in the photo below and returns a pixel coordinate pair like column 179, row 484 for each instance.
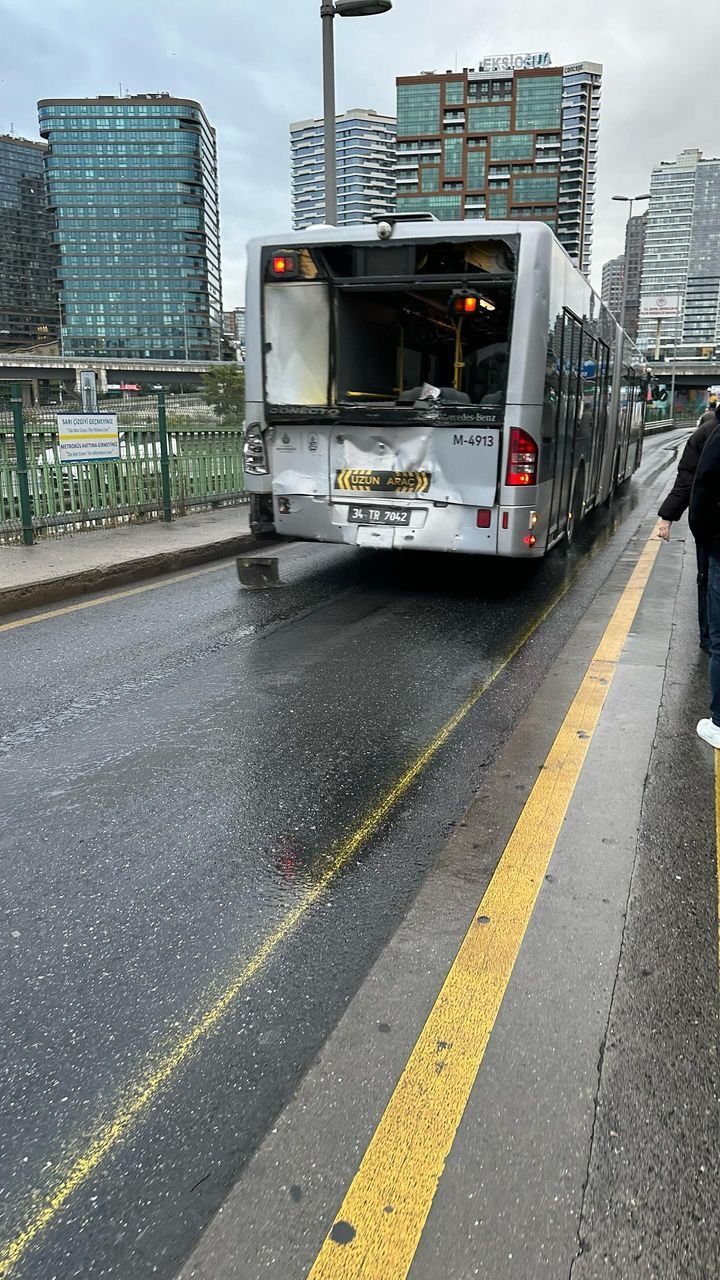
column 705, row 525
column 706, row 415
column 677, row 503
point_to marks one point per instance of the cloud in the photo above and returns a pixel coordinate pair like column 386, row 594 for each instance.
column 255, row 67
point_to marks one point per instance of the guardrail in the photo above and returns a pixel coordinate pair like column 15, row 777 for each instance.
column 169, row 463
column 657, row 421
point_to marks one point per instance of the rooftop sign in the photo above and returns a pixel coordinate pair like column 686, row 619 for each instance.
column 516, row 62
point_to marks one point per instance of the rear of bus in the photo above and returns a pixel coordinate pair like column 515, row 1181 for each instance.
column 395, row 379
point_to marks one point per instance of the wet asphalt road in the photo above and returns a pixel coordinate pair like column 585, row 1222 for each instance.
column 178, row 769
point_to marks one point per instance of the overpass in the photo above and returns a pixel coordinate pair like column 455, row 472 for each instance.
column 35, row 368
column 688, row 373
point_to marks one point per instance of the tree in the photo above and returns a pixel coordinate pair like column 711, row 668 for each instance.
column 224, row 388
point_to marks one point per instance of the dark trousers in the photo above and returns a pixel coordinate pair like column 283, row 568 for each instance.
column 702, row 585
column 713, row 609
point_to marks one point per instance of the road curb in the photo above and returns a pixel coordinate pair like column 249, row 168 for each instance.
column 100, row 577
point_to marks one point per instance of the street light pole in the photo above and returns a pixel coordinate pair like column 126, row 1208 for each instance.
column 329, row 9
column 327, row 13
column 62, row 332
column 629, row 200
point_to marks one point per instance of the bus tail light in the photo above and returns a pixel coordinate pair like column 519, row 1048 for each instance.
column 529, row 539
column 523, row 460
column 484, row 516
column 254, row 451
column 285, row 266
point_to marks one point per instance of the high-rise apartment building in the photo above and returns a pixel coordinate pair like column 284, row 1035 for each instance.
column 613, row 273
column 365, row 168
column 681, row 256
column 234, row 325
column 516, row 138
column 132, row 183
column 613, row 277
column 582, row 85
column 29, row 314
column 634, row 242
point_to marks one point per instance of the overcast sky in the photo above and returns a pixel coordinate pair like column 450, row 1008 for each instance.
column 255, row 66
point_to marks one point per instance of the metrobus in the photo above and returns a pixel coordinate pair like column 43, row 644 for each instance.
column 413, row 384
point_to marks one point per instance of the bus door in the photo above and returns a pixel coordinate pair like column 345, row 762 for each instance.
column 600, row 412
column 631, row 419
column 627, row 392
column 566, row 421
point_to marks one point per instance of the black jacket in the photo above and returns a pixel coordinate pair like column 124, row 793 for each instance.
column 704, row 511
column 678, row 499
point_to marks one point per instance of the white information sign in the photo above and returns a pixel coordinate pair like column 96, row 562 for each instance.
column 660, row 306
column 88, row 437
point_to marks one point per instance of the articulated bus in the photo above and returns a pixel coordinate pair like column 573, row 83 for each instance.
column 413, row 384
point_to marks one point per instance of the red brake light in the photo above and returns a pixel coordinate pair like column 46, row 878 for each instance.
column 523, row 459
column 484, row 517
column 466, row 305
column 285, row 264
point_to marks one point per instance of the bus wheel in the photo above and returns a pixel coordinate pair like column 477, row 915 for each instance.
column 576, row 512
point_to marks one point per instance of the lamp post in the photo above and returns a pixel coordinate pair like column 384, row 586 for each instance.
column 631, row 201
column 62, row 330
column 328, row 10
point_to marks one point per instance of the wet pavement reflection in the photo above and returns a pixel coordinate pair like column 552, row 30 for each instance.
column 178, row 769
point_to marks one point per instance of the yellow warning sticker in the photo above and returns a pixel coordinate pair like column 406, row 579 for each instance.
column 351, row 480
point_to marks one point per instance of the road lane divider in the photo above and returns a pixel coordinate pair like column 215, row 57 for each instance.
column 138, row 1095
column 378, row 1227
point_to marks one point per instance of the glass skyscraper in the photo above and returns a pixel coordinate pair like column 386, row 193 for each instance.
column 515, row 138
column 681, row 255
column 29, row 316
column 132, row 185
column 365, row 168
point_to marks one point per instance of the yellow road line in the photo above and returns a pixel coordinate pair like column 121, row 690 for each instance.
column 138, row 1096
column 717, row 841
column 114, row 595
column 381, row 1220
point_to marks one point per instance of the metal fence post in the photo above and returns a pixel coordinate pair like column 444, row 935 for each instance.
column 164, row 458
column 21, row 463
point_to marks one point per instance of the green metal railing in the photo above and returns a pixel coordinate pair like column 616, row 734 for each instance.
column 173, row 457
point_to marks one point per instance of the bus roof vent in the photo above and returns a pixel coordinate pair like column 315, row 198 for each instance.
column 393, row 218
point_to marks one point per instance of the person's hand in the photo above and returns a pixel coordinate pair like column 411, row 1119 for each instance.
column 664, row 530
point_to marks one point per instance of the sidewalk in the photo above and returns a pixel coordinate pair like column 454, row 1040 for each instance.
column 589, row 1143
column 73, row 564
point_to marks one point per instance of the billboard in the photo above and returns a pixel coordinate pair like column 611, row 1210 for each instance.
column 660, row 306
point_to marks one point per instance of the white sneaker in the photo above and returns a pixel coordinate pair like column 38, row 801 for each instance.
column 709, row 732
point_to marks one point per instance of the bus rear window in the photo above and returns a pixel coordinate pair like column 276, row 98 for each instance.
column 391, row 343
column 373, row 339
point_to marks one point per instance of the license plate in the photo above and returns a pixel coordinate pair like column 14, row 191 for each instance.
column 380, row 515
